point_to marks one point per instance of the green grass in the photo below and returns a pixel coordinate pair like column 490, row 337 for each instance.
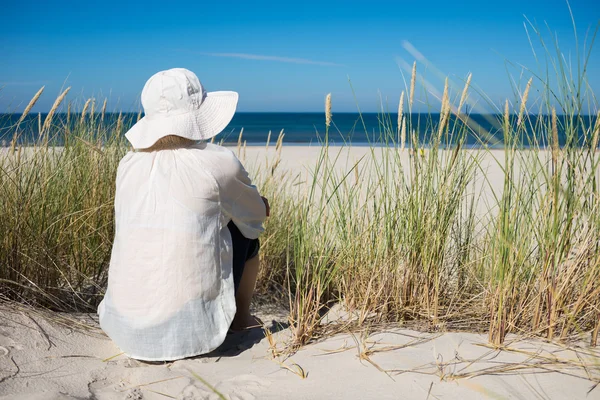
column 401, row 235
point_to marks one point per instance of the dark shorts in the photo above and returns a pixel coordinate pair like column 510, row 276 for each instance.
column 243, row 250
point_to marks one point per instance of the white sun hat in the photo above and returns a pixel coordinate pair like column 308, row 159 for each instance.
column 175, row 103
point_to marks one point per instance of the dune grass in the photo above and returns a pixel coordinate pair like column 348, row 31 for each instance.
column 56, row 218
column 398, row 236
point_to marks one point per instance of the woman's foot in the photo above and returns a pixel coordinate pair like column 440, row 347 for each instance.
column 244, row 323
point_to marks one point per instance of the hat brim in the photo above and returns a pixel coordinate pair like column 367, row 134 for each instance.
column 213, row 115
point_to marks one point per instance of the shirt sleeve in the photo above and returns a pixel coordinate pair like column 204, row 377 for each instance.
column 240, row 199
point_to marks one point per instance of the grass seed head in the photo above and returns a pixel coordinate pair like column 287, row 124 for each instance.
column 524, row 102
column 103, row 111
column 85, row 107
column 32, row 102
column 463, row 96
column 400, row 111
column 445, row 110
column 119, row 124
column 444, row 96
column 52, row 111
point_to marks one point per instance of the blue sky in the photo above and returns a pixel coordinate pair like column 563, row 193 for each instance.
column 280, row 56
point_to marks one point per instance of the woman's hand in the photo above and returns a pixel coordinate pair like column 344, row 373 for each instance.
column 266, row 201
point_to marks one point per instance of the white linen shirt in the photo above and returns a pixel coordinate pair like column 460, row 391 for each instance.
column 170, row 288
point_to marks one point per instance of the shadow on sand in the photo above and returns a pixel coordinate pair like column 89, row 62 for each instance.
column 237, row 342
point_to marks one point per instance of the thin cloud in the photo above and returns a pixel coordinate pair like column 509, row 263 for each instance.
column 290, row 60
column 414, row 52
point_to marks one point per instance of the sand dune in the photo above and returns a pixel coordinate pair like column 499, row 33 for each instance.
column 52, row 356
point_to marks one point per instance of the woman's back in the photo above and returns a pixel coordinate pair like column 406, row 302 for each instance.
column 170, row 292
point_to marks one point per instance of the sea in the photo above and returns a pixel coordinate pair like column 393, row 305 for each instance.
column 366, row 129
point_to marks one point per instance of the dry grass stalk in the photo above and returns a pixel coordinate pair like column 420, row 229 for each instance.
column 52, row 111
column 85, row 107
column 277, row 161
column 555, row 147
column 463, row 96
column 268, row 140
column 298, row 370
column 445, row 110
column 32, row 102
column 524, row 102
column 328, row 110
column 119, row 124
column 403, row 134
column 93, row 110
column 506, row 118
column 275, row 351
column 400, row 112
column 13, row 144
column 413, row 80
column 139, row 116
column 278, row 146
column 40, row 123
column 365, row 351
column 103, row 111
column 414, row 139
column 445, row 96
column 279, row 143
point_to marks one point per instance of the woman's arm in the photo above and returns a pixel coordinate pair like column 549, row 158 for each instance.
column 240, row 199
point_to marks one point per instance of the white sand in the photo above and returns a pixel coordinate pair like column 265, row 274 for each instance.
column 42, row 359
column 297, row 165
column 44, row 356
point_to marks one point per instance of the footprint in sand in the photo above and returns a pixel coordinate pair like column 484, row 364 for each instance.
column 106, row 390
column 243, row 387
column 8, row 368
column 7, row 343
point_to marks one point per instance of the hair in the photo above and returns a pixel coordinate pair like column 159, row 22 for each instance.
column 170, row 142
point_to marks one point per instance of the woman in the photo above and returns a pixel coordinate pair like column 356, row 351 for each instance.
column 187, row 221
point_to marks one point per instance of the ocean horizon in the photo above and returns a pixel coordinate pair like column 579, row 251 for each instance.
column 306, row 128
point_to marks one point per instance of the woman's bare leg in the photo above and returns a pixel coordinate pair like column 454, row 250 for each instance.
column 243, row 319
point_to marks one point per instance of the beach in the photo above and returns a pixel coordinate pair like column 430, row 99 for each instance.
column 46, row 355
column 297, row 164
